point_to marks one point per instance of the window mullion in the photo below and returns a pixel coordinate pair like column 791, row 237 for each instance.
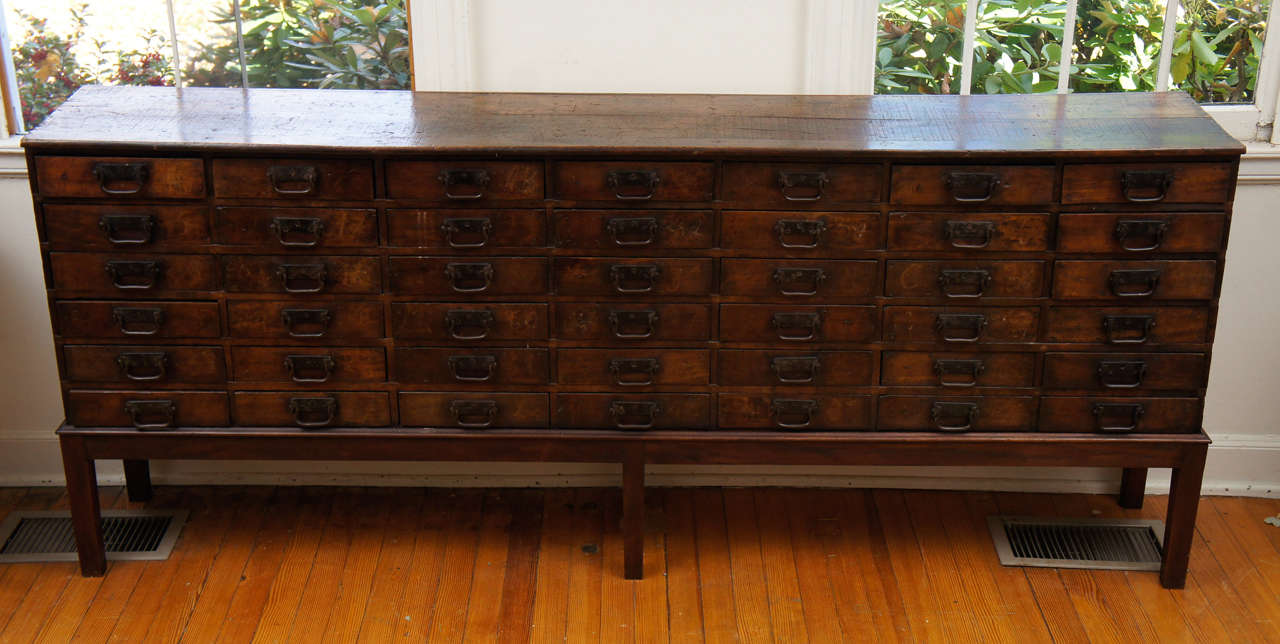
column 1166, row 45
column 173, row 39
column 970, row 34
column 9, row 77
column 1068, row 43
column 244, row 70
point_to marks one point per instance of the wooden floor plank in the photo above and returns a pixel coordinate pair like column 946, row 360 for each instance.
column 617, row 594
column 16, row 579
column 325, row 580
column 1017, row 597
column 551, row 595
column 966, row 617
column 684, row 595
column 782, row 584
column 829, row 520
column 1242, row 574
column 73, row 605
column 367, row 538
column 454, row 594
column 1261, row 509
column 381, row 620
column 909, row 569
column 585, row 568
column 864, row 538
column 441, row 508
column 490, row 570
column 719, row 620
column 651, row 607
column 750, row 592
column 817, row 595
column 290, row 581
column 47, row 581
column 1250, row 533
column 519, row 583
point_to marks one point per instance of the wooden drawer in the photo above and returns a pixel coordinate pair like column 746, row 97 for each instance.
column 473, row 411
column 1120, row 415
column 297, row 228
column 120, row 178
column 148, row 366
column 959, row 326
column 954, row 414
column 309, row 365
column 137, row 320
column 966, row 232
column 468, row 323
column 800, row 412
column 630, row 277
column 466, row 277
column 799, row 279
column 621, row 230
column 655, row 322
column 301, row 179
column 800, row 185
column 1140, row 232
column 801, row 232
column 466, row 230
column 972, row 185
column 1148, row 183
column 1128, row 326
column 774, row 323
column 957, row 370
column 964, row 280
column 790, row 368
column 302, row 275
column 314, row 321
column 465, row 182
column 132, row 275
column 633, row 181
column 1162, row 280
column 633, row 367
column 631, row 411
column 1126, row 371
column 472, row 367
column 147, row 409
column 311, row 409
column 76, row 227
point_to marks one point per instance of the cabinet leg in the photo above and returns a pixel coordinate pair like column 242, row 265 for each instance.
column 86, row 515
column 1133, row 485
column 137, row 480
column 1180, row 523
column 633, row 513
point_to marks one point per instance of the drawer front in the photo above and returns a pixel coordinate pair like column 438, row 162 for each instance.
column 799, row 279
column 468, row 230
column 137, row 320
column 300, row 275
column 465, row 182
column 621, row 230
column 633, row 181
column 311, row 409
column 300, row 179
column 631, row 411
column 957, row 370
column 473, row 367
column 132, row 275
column 75, row 227
column 625, row 323
column 473, row 411
column 801, row 232
column 1140, row 232
column 468, row 323
column 457, row 276
column 972, row 185
column 965, row 232
column 798, row 324
column 1128, row 326
column 120, row 178
column 308, row 366
column 954, row 414
column 964, row 280
column 955, row 326
column 1120, row 415
column 147, row 366
column 1126, row 372
column 800, row 185
column 1108, row 280
column 799, row 412
column 306, row 321
column 147, row 410
column 749, row 368
column 297, row 228
column 1147, row 183
column 628, row 368
column 630, row 277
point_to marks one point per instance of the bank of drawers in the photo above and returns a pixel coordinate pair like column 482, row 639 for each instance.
column 634, row 295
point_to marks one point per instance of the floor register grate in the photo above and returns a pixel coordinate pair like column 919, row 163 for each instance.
column 129, row 535
column 1101, row 544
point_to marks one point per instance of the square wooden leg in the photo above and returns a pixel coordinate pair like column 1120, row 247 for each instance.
column 1180, row 523
column 86, row 515
column 1133, row 487
column 633, row 514
column 137, row 480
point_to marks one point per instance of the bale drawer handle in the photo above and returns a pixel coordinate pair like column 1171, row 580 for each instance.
column 133, row 175
column 795, row 369
column 302, row 278
column 473, row 368
column 793, row 413
column 1121, row 374
column 297, row 232
column 964, row 283
column 151, row 414
column 466, row 232
column 138, row 321
column 800, row 233
column 634, row 414
column 972, row 187
column 468, row 324
column 968, row 234
column 475, row 178
column 797, row 327
column 802, row 186
column 293, row 180
column 310, row 368
column 1105, row 415
column 473, row 414
column 632, row 231
column 799, row 281
column 634, row 185
column 634, row 278
column 1140, row 234
column 970, row 368
column 972, row 323
column 143, row 366
column 953, row 416
column 1115, row 327
column 469, row 278
column 134, row 275
column 306, row 323
column 1145, row 186
column 1133, row 282
column 633, row 325
column 313, row 413
column 634, row 372
column 127, row 230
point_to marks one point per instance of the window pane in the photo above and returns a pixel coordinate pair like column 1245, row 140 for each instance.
column 1117, row 45
column 1018, row 46
column 919, row 46
column 1217, row 47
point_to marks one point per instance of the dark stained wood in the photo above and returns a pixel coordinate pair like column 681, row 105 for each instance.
column 790, row 369
column 137, row 477
column 296, row 228
column 1181, row 519
column 148, row 365
column 472, row 367
column 347, row 319
column 613, row 181
column 453, row 181
column 798, row 280
column 972, row 185
column 1133, row 487
column 132, row 227
column 139, row 275
column 261, row 179
column 968, row 232
column 1187, row 183
column 468, row 277
column 802, row 411
column 627, row 323
column 300, row 365
column 82, row 486
column 438, row 409
column 89, row 408
column 632, row 277
column 466, row 230
column 631, row 368
column 272, row 409
column 955, row 326
column 633, row 231
column 800, row 233
column 990, row 413
column 959, row 281
column 800, row 185
column 1141, row 233
column 1161, row 280
column 1169, row 325
column 85, row 319
column 957, row 370
column 471, row 322
column 1126, row 371
column 144, row 178
column 755, row 323
column 1077, row 414
column 662, row 411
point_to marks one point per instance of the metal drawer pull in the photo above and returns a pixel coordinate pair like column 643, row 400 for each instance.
column 633, row 184
column 467, row 324
column 127, row 230
column 473, row 414
column 971, row 323
column 466, row 232
column 632, row 231
column 1145, row 185
column 634, row 278
column 972, row 187
column 473, row 368
column 1108, row 416
column 969, row 234
column 1122, row 374
column 133, row 175
column 469, row 278
column 297, row 232
column 151, row 414
column 799, row 281
column 953, row 416
column 634, row 414
column 293, row 180
column 1140, row 234
column 310, row 368
column 143, row 366
column 311, row 413
column 1133, row 282
column 802, row 186
column 633, row 325
column 962, row 283
column 302, row 278
column 635, row 372
column 971, row 369
column 306, row 323
column 791, row 413
column 797, row 327
column 800, row 233
column 1121, row 329
column 475, row 178
column 138, row 321
column 138, row 275
column 795, row 369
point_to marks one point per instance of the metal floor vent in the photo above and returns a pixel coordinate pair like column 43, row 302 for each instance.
column 129, row 535
column 1101, row 544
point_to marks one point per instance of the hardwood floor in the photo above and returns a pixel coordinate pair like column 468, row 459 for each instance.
column 736, row 564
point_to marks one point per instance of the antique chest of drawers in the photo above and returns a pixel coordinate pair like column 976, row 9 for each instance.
column 912, row 280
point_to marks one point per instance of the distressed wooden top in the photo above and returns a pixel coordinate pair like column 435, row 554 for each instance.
column 397, row 122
